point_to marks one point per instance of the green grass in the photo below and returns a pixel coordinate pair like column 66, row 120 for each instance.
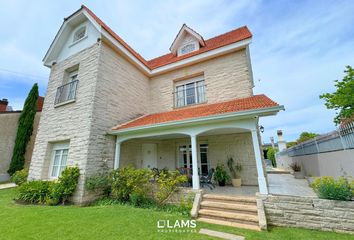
column 115, row 222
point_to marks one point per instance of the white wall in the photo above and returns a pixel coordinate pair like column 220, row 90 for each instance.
column 336, row 163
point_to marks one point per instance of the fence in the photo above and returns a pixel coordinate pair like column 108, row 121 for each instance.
column 340, row 139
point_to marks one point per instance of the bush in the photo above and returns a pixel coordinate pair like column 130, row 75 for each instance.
column 329, row 188
column 20, row 177
column 34, row 191
column 99, row 183
column 271, row 156
column 127, row 181
column 168, row 182
column 48, row 192
column 61, row 190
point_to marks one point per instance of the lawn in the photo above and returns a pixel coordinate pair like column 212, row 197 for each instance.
column 115, row 222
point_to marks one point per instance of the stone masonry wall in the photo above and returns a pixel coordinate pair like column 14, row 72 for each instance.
column 311, row 213
column 226, row 77
column 70, row 122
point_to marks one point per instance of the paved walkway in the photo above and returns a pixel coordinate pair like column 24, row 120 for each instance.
column 7, row 185
column 286, row 184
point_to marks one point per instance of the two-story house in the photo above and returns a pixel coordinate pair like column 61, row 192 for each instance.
column 105, row 104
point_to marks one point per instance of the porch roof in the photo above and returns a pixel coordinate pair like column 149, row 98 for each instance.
column 256, row 102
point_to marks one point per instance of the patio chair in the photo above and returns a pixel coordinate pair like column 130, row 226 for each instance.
column 207, row 180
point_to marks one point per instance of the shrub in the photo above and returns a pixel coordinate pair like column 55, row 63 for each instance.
column 220, row 174
column 61, row 190
column 128, row 180
column 329, row 188
column 168, row 182
column 139, row 200
column 34, row 191
column 99, row 183
column 271, row 156
column 20, row 177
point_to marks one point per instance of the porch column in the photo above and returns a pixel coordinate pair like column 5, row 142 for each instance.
column 257, row 153
column 117, row 154
column 195, row 176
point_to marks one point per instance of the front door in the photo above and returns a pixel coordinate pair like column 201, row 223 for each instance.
column 149, row 155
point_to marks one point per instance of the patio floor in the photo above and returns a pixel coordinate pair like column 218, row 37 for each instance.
column 286, row 184
column 233, row 191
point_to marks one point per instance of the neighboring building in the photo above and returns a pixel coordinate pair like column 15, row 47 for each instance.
column 8, row 131
column 107, row 105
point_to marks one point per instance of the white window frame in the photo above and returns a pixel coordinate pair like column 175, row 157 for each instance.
column 198, row 97
column 196, row 47
column 58, row 147
column 79, row 28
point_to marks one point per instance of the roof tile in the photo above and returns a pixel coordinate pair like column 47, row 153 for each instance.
column 236, row 105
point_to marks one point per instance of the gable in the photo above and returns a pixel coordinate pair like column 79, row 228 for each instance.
column 187, row 40
column 66, row 43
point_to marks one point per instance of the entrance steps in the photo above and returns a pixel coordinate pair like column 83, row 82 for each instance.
column 234, row 211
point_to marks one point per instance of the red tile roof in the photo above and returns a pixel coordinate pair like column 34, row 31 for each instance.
column 236, row 105
column 233, row 36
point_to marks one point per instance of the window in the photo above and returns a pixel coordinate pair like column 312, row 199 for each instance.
column 190, row 93
column 79, row 34
column 204, row 163
column 59, row 159
column 67, row 92
column 188, row 48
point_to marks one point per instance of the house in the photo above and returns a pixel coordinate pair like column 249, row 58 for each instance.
column 106, row 105
column 8, row 130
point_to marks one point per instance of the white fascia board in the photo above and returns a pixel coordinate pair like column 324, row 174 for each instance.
column 202, row 56
column 255, row 112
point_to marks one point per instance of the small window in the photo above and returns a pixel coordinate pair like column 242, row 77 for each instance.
column 79, row 34
column 67, row 92
column 192, row 92
column 59, row 159
column 188, row 48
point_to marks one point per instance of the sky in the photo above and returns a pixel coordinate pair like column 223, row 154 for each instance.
column 299, row 47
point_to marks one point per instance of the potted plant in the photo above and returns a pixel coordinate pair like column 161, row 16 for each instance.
column 235, row 170
column 297, row 170
column 220, row 175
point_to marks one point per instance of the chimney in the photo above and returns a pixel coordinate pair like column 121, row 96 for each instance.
column 281, row 141
column 3, row 105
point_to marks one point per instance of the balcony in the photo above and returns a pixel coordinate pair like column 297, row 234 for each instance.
column 66, row 93
column 190, row 95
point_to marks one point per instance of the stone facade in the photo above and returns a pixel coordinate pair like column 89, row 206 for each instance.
column 8, row 131
column 219, row 148
column 111, row 91
column 227, row 77
column 308, row 212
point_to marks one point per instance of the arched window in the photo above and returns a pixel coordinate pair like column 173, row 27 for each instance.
column 188, row 48
column 79, row 34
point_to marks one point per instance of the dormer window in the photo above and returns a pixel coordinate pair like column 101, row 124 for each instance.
column 79, row 34
column 187, row 48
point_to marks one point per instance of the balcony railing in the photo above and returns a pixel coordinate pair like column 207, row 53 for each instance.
column 189, row 96
column 66, row 92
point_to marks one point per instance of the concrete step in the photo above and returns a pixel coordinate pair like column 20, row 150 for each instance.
column 229, row 223
column 237, row 207
column 234, row 199
column 229, row 215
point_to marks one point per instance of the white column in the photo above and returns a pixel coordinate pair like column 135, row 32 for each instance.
column 117, row 154
column 195, row 176
column 257, row 153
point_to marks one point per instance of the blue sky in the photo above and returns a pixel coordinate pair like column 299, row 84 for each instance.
column 298, row 49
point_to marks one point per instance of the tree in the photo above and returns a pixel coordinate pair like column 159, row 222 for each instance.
column 24, row 130
column 304, row 136
column 342, row 99
column 271, row 156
